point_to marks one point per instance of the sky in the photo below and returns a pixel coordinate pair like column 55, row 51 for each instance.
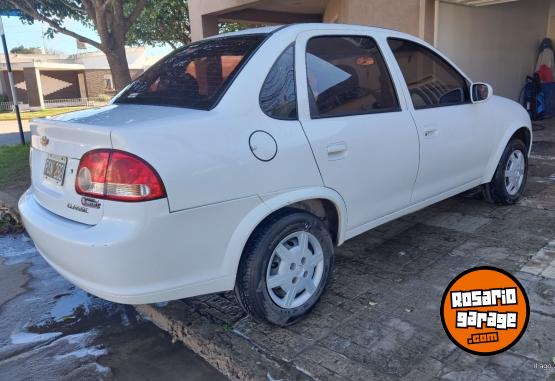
column 18, row 33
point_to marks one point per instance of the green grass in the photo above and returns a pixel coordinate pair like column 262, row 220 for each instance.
column 14, row 168
column 39, row 114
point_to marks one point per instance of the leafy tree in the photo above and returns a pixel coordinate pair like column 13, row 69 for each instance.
column 23, row 50
column 167, row 22
column 111, row 19
column 162, row 22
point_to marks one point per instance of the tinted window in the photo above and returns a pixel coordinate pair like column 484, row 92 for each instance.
column 430, row 79
column 347, row 76
column 278, row 97
column 194, row 76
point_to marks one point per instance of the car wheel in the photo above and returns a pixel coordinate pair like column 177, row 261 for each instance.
column 285, row 267
column 509, row 179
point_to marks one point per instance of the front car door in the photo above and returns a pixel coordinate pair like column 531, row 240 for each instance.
column 361, row 133
column 454, row 141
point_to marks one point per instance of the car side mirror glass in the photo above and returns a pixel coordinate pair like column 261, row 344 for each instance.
column 481, row 92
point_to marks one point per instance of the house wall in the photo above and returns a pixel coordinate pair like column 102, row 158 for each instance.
column 401, row 15
column 59, row 84
column 497, row 44
column 412, row 16
column 136, row 59
column 94, row 81
column 20, row 85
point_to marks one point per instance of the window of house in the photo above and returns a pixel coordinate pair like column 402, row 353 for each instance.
column 195, row 76
column 278, row 96
column 108, row 83
column 347, row 75
column 431, row 80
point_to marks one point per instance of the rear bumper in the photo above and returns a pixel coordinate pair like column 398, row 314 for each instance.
column 139, row 252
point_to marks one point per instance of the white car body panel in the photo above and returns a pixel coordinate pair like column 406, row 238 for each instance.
column 72, row 143
column 218, row 192
column 346, row 146
column 455, row 142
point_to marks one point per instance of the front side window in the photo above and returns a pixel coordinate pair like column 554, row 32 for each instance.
column 195, row 76
column 347, row 75
column 431, row 80
column 278, row 96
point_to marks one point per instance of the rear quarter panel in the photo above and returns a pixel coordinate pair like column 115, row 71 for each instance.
column 203, row 157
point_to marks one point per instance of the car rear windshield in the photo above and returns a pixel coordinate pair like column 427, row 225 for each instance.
column 195, row 76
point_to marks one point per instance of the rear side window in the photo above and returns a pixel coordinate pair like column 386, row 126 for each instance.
column 278, row 96
column 195, row 76
column 347, row 75
column 431, row 80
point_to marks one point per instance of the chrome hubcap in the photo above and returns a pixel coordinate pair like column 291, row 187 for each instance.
column 295, row 269
column 514, row 172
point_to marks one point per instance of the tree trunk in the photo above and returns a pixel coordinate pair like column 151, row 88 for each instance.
column 117, row 60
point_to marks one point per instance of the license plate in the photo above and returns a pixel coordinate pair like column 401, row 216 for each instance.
column 55, row 168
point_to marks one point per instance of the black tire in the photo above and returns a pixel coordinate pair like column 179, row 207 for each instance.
column 250, row 286
column 496, row 190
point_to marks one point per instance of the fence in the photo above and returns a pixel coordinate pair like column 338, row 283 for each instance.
column 6, row 106
column 70, row 102
column 55, row 103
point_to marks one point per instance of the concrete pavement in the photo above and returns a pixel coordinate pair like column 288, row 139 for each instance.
column 9, row 132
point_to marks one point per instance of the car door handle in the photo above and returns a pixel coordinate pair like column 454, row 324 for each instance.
column 337, row 151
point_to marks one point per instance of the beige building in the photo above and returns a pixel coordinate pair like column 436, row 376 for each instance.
column 491, row 40
column 46, row 78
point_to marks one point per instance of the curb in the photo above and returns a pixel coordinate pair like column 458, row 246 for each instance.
column 223, row 348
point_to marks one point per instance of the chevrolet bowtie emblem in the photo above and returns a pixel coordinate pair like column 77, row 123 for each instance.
column 44, row 141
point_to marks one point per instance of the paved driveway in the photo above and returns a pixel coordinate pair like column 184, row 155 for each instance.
column 9, row 132
column 380, row 318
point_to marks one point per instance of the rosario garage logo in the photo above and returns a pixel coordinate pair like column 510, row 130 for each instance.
column 485, row 310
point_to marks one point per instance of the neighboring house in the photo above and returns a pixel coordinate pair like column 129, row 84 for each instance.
column 491, row 40
column 42, row 77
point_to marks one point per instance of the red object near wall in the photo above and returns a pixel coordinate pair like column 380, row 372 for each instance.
column 545, row 73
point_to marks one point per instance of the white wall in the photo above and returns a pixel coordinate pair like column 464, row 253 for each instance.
column 497, row 44
column 136, row 57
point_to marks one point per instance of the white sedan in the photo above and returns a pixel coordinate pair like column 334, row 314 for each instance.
column 241, row 161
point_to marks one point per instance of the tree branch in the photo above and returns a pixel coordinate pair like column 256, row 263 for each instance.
column 30, row 10
column 135, row 13
column 90, row 11
column 71, row 6
column 105, row 5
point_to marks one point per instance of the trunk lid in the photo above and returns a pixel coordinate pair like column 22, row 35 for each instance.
column 65, row 139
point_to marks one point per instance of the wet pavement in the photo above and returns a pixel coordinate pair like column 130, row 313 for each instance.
column 50, row 330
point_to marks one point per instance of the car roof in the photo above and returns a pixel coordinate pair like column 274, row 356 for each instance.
column 301, row 27
column 259, row 30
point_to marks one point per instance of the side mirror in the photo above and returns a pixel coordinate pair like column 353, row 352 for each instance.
column 480, row 92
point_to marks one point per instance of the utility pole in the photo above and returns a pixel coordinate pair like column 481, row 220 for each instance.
column 10, row 78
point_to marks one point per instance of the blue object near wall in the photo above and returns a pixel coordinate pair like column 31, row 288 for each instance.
column 545, row 100
column 548, row 90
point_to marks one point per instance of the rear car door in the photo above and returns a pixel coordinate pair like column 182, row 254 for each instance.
column 363, row 137
column 454, row 140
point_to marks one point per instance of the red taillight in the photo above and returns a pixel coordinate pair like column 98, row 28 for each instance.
column 117, row 175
